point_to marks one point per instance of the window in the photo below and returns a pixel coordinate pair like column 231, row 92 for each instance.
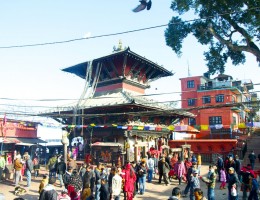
column 192, row 121
column 215, row 120
column 219, row 98
column 206, row 99
column 190, row 84
column 191, row 102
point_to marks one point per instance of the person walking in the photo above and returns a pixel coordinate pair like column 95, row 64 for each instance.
column 252, row 158
column 220, row 165
column 2, row 166
column 164, row 173
column 89, row 179
column 97, row 172
column 150, row 165
column 61, row 169
column 130, row 178
column 75, row 185
column 194, row 183
column 18, row 165
column 36, row 166
column 245, row 186
column 210, row 180
column 189, row 177
column 28, row 170
column 179, row 170
column 52, row 166
column 223, row 178
column 238, row 167
column 199, row 162
column 142, row 177
column 232, row 184
column 116, row 185
column 104, row 191
column 254, row 188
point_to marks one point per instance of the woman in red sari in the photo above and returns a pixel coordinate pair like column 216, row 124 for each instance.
column 130, row 179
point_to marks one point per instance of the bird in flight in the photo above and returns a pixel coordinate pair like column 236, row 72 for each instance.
column 143, row 4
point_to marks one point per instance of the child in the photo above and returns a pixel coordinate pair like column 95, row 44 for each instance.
column 64, row 195
column 86, row 193
column 43, row 183
column 104, row 192
column 223, row 178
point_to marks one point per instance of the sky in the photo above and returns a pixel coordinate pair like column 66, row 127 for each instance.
column 35, row 72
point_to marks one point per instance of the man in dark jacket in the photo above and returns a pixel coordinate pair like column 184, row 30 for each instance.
column 49, row 191
column 29, row 168
column 165, row 168
column 89, row 179
column 97, row 172
column 252, row 158
column 61, row 169
column 220, row 164
column 189, row 173
column 66, row 177
column 104, row 191
column 232, row 182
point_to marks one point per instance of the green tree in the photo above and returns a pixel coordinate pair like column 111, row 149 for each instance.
column 228, row 27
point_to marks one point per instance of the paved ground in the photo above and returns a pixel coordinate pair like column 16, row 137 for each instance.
column 153, row 190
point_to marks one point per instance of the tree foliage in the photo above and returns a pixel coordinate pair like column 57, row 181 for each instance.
column 228, row 27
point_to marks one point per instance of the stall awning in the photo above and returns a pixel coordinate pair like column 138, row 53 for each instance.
column 24, row 141
column 106, row 144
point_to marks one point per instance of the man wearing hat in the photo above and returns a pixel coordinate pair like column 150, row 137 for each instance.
column 194, row 183
column 2, row 166
column 232, row 183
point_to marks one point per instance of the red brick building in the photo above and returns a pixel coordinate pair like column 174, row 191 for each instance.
column 220, row 104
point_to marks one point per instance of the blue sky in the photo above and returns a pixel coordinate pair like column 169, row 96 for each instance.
column 35, row 72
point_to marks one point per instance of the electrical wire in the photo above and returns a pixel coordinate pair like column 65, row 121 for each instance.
column 119, row 33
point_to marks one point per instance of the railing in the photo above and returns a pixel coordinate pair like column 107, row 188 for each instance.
column 212, row 87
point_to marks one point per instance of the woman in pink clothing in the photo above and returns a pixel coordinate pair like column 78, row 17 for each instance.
column 223, row 178
column 180, row 170
column 130, row 179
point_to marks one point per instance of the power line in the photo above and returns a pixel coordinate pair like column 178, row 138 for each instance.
column 177, row 111
column 111, row 97
column 118, row 33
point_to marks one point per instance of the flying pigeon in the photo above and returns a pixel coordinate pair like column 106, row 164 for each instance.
column 143, row 4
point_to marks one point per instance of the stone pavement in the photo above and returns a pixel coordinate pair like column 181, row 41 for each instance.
column 153, row 190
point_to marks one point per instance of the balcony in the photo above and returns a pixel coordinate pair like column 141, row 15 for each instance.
column 219, row 85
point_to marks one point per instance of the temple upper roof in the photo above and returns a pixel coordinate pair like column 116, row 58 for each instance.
column 123, row 64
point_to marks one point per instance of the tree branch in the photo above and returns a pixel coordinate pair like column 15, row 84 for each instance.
column 248, row 48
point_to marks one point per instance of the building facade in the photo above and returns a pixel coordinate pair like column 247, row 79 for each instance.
column 220, row 104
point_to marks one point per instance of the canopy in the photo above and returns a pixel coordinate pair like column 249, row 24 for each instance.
column 24, row 141
column 185, row 128
column 106, row 144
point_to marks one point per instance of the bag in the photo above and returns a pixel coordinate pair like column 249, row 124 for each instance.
column 233, row 191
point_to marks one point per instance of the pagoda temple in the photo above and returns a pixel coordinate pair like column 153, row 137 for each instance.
column 114, row 111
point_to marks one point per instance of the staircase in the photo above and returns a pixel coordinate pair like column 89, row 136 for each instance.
column 253, row 143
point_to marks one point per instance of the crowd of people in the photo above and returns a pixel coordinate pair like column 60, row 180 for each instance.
column 106, row 182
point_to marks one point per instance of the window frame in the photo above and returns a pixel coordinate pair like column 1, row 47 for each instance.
column 206, row 97
column 191, row 102
column 216, row 119
column 190, row 84
column 191, row 120
column 219, row 97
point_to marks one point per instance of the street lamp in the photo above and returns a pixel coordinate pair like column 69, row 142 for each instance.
column 65, row 142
